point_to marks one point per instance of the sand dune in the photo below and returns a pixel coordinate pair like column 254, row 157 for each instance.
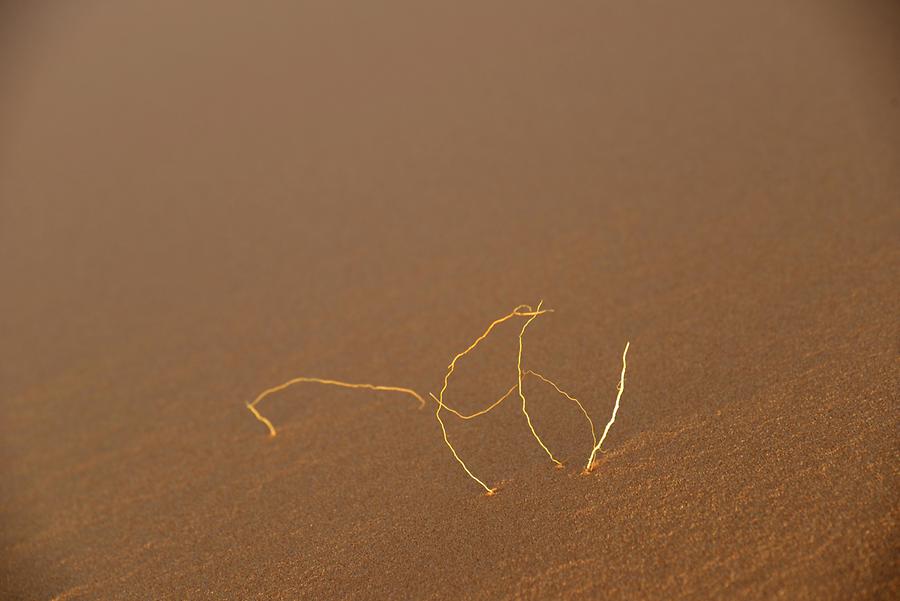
column 198, row 203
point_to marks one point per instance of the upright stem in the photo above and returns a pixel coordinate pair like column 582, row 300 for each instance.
column 612, row 420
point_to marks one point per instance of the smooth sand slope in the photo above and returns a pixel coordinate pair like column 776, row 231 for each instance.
column 198, row 203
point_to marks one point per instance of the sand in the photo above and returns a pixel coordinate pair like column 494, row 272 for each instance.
column 200, row 202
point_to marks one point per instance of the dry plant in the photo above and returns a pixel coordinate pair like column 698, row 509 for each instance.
column 304, row 380
column 523, row 311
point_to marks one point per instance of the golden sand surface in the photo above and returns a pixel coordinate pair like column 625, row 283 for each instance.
column 201, row 200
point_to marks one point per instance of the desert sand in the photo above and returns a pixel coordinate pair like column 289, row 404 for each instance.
column 202, row 200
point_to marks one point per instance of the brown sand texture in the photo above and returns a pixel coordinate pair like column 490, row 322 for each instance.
column 202, row 200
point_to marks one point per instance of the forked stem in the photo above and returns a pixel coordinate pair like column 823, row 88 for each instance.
column 520, row 311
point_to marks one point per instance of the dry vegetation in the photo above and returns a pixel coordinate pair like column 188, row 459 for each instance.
column 522, row 311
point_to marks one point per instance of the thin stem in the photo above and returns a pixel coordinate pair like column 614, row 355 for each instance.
column 612, row 420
